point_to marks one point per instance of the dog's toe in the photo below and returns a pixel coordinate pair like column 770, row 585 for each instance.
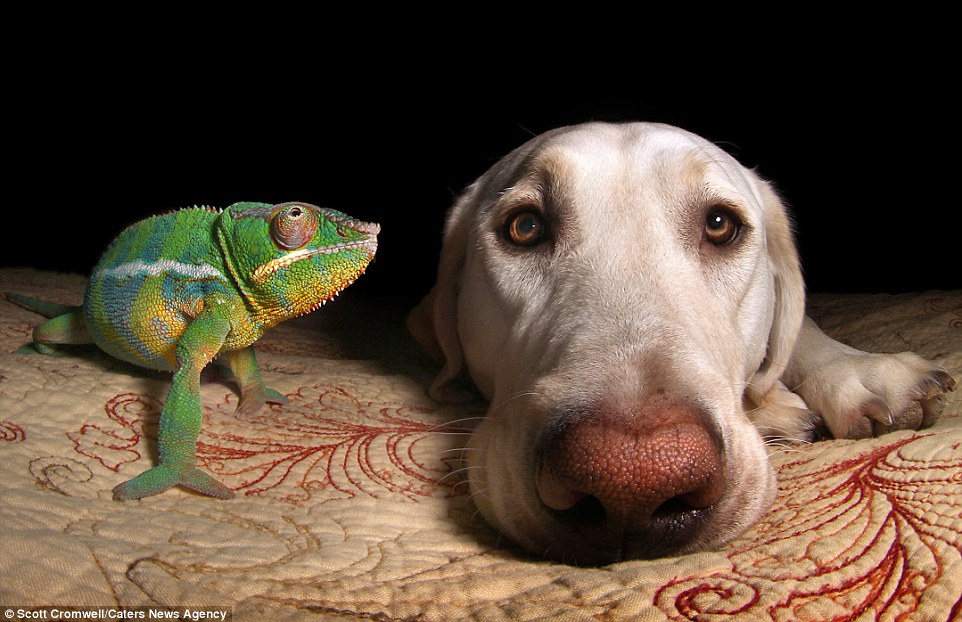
column 880, row 393
column 785, row 419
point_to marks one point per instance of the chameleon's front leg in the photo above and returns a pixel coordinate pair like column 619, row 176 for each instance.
column 243, row 366
column 181, row 417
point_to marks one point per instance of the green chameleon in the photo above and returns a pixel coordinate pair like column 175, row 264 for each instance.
column 174, row 291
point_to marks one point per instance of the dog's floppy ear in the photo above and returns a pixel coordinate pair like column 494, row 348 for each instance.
column 789, row 309
column 434, row 322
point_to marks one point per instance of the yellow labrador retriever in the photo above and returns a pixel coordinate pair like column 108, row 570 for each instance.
column 629, row 299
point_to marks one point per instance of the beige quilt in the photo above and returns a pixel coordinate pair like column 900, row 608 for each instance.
column 351, row 504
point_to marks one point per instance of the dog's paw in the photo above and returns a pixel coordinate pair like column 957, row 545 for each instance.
column 785, row 419
column 863, row 395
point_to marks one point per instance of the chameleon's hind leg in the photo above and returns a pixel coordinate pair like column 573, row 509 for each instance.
column 181, row 418
column 243, row 366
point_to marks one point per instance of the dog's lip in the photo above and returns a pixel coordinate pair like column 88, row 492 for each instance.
column 666, row 534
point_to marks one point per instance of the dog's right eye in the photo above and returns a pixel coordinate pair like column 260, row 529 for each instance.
column 525, row 228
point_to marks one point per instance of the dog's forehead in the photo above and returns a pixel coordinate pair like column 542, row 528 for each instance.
column 652, row 148
column 650, row 152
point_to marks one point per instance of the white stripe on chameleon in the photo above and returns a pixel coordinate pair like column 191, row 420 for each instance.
column 139, row 268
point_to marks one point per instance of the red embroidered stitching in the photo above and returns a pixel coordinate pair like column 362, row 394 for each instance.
column 114, row 443
column 10, row 432
column 325, row 441
column 909, row 530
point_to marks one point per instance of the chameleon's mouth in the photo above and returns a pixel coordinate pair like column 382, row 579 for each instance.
column 268, row 269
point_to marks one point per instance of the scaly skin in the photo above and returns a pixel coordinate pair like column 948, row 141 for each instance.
column 174, row 291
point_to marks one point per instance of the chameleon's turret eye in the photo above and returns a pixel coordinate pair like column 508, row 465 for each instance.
column 293, row 226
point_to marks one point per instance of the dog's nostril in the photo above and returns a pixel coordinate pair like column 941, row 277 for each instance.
column 672, row 507
column 554, row 493
column 587, row 511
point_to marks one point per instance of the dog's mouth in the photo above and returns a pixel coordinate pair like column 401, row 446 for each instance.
column 668, row 533
column 586, row 533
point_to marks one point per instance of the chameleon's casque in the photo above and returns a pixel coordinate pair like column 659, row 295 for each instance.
column 176, row 290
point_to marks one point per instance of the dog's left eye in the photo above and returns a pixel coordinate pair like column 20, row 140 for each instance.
column 525, row 228
column 721, row 226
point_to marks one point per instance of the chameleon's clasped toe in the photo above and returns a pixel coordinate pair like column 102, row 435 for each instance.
column 159, row 478
column 252, row 401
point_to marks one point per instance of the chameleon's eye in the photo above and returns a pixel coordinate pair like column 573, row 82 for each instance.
column 293, row 227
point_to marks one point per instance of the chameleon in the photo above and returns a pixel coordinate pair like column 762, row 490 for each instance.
column 177, row 290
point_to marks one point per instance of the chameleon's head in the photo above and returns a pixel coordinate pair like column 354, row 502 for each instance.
column 291, row 258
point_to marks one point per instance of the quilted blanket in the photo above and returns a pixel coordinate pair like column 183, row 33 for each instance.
column 351, row 503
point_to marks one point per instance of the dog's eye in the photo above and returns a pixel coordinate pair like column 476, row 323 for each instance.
column 525, row 228
column 721, row 226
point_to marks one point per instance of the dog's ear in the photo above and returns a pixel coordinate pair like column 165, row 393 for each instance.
column 434, row 322
column 789, row 309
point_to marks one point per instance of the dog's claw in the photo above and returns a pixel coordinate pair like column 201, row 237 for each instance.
column 933, row 389
column 935, row 384
column 877, row 410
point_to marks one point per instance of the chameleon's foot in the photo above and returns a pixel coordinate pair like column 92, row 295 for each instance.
column 159, row 478
column 274, row 397
column 39, row 348
column 252, row 401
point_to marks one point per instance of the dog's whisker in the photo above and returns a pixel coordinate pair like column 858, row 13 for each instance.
column 521, row 394
column 455, row 484
column 453, row 423
column 461, row 451
column 463, row 470
column 481, row 492
column 786, row 444
column 460, row 472
column 787, row 452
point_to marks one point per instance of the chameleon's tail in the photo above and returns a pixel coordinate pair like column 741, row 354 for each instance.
column 44, row 308
column 66, row 324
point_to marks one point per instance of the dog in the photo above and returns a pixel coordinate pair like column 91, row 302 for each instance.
column 629, row 300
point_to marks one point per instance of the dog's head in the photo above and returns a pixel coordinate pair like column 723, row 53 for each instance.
column 617, row 292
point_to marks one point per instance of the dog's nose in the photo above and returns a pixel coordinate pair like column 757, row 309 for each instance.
column 639, row 480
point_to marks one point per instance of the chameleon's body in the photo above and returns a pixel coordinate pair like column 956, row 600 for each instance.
column 174, row 291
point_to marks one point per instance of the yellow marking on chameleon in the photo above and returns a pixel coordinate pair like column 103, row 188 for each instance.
column 268, row 269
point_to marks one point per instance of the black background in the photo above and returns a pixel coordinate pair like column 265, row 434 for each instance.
column 862, row 161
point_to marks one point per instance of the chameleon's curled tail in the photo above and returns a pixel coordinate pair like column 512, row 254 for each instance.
column 44, row 308
column 66, row 324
